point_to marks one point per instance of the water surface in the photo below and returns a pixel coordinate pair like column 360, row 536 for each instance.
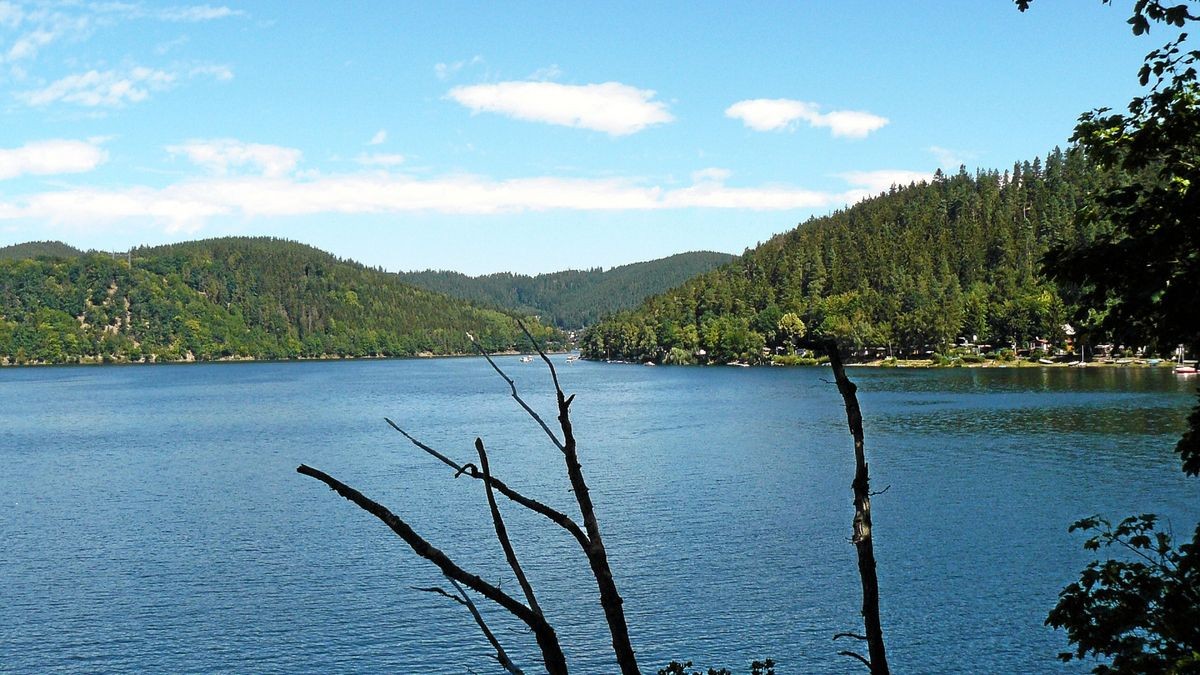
column 152, row 519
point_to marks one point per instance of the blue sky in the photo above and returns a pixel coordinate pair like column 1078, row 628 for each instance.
column 527, row 137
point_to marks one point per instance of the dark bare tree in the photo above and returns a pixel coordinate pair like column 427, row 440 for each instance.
column 588, row 536
column 876, row 659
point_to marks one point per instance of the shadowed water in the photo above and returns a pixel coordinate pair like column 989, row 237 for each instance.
column 151, row 518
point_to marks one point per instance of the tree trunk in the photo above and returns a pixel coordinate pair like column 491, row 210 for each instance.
column 877, row 658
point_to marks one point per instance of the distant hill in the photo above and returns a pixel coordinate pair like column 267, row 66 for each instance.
column 228, row 298
column 573, row 298
column 38, row 249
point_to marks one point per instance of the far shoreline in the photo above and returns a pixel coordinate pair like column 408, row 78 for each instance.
column 230, row 360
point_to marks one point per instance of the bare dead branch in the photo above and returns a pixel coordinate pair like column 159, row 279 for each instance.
column 610, row 599
column 877, row 663
column 557, row 517
column 465, row 600
column 554, row 659
column 856, row 636
column 879, row 492
column 538, row 347
column 517, row 397
column 860, row 657
column 502, row 532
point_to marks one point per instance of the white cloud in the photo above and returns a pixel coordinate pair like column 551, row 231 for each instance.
column 882, row 180
column 189, row 204
column 44, row 158
column 780, row 114
column 220, row 155
column 380, row 159
column 379, row 138
column 614, row 108
column 107, row 88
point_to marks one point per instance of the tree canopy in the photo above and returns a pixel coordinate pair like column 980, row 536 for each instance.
column 229, row 298
column 908, row 271
column 571, row 298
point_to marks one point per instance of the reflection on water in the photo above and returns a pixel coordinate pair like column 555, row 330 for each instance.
column 152, row 519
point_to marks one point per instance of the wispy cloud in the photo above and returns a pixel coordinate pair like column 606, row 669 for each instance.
column 379, row 138
column 114, row 88
column 51, row 157
column 42, row 24
column 950, row 159
column 108, row 88
column 782, row 114
column 882, row 180
column 550, row 72
column 193, row 13
column 176, row 13
column 382, row 159
column 221, row 155
column 10, row 14
column 614, row 108
column 218, row 72
column 445, row 71
column 190, row 204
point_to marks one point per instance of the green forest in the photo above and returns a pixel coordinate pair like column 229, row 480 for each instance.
column 908, row 272
column 573, row 298
column 227, row 299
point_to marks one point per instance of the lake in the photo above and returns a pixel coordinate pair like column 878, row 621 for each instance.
column 152, row 519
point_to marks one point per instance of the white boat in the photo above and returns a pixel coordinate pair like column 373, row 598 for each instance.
column 526, row 359
column 1185, row 370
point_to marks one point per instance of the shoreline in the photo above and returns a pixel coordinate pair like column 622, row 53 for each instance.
column 100, row 362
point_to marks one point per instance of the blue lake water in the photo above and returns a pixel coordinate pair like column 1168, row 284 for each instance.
column 151, row 519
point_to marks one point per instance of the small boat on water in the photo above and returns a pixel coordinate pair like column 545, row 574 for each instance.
column 527, row 359
column 1185, row 370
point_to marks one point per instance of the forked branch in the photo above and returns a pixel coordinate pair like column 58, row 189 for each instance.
column 610, row 599
column 513, row 386
column 552, row 654
column 557, row 517
column 502, row 532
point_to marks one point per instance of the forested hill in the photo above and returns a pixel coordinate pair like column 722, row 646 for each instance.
column 38, row 249
column 573, row 298
column 910, row 270
column 228, row 298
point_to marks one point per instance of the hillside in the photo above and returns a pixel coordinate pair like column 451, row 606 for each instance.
column 228, row 298
column 573, row 298
column 38, row 249
column 908, row 271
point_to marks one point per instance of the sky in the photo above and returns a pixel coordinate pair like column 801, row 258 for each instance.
column 520, row 136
